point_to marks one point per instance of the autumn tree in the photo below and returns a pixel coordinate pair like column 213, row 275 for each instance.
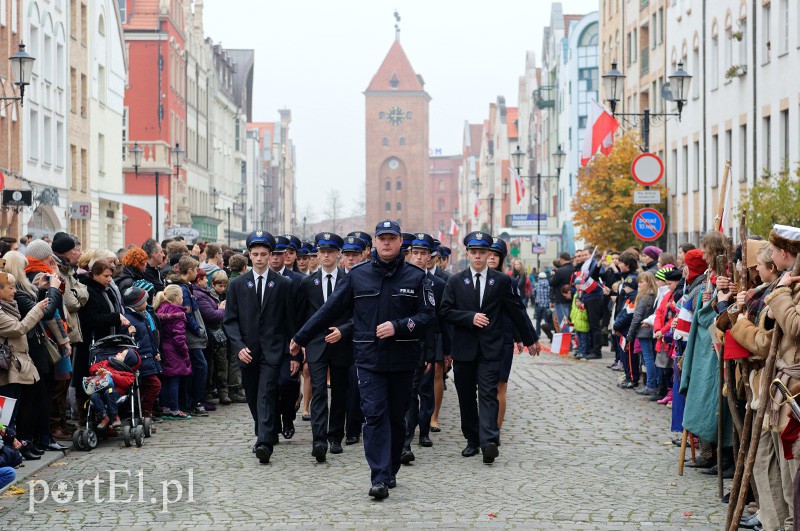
column 775, row 199
column 603, row 204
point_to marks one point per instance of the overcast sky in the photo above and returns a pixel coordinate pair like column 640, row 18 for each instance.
column 316, row 57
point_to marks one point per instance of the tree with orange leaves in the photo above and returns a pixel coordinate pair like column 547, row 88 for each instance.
column 603, row 205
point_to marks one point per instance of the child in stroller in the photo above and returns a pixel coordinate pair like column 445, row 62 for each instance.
column 121, row 368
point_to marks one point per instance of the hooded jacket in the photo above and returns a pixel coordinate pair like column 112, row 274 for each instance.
column 174, row 349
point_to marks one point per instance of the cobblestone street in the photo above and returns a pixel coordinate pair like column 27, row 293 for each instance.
column 577, row 453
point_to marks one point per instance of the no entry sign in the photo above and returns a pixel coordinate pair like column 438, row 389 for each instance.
column 648, row 224
column 647, row 169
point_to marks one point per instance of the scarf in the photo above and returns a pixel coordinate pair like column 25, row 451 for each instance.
column 37, row 266
column 10, row 307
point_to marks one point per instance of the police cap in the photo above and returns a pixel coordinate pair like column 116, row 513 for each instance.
column 352, row 244
column 477, row 240
column 387, row 227
column 328, row 240
column 422, row 241
column 281, row 244
column 260, row 237
column 364, row 236
column 499, row 246
column 294, row 242
column 305, row 248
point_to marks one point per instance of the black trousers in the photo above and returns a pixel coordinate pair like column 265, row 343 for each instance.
column 327, row 424
column 595, row 308
column 287, row 392
column 260, row 383
column 355, row 417
column 478, row 413
column 420, row 410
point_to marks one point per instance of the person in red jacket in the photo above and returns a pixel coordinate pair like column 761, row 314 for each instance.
column 121, row 368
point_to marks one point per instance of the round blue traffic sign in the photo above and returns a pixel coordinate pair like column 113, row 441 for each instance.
column 648, row 224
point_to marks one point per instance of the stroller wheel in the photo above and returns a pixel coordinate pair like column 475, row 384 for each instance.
column 148, row 426
column 77, row 440
column 91, row 439
column 138, row 434
column 126, row 435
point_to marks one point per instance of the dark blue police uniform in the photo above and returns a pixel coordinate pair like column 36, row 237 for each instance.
column 355, row 417
column 377, row 292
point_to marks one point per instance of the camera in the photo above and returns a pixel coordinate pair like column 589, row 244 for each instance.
column 47, row 278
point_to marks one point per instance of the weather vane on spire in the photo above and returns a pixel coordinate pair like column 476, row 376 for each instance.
column 396, row 25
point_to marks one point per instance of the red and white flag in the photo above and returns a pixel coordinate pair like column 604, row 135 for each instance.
column 439, row 236
column 560, row 344
column 519, row 184
column 453, row 227
column 599, row 134
column 477, row 204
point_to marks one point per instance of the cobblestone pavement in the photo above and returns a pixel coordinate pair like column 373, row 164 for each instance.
column 577, row 453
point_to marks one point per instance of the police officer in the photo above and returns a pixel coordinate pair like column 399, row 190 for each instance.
column 405, row 247
column 443, row 359
column 437, row 341
column 477, row 302
column 391, row 309
column 289, row 384
column 290, row 253
column 352, row 253
column 364, row 235
column 303, row 256
column 444, row 258
column 331, row 350
column 259, row 320
column 313, row 260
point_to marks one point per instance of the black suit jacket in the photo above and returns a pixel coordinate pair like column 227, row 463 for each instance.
column 437, row 337
column 265, row 328
column 441, row 273
column 500, row 302
column 310, row 300
column 296, row 279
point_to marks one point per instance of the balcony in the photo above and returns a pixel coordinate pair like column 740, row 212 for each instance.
column 544, row 97
column 156, row 157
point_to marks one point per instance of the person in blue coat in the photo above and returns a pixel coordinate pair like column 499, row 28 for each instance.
column 147, row 337
column 390, row 300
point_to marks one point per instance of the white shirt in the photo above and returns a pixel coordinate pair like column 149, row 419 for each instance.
column 432, row 271
column 263, row 276
column 483, row 273
column 325, row 282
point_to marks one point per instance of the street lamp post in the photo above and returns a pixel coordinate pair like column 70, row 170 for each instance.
column 558, row 158
column 679, row 83
column 22, row 67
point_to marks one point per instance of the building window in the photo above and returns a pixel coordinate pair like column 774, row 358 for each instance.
column 767, row 143
column 765, row 36
column 101, row 154
column 696, row 174
column 60, row 144
column 102, row 87
column 73, row 90
column 784, row 140
column 33, row 128
column 399, row 206
column 714, row 63
column 124, row 132
column 388, row 207
column 441, row 205
column 441, row 185
column 696, row 73
column 381, row 115
column 715, row 160
column 123, row 10
column 47, row 131
column 784, row 27
column 385, row 141
column 685, row 177
column 402, row 141
column 408, row 115
column 743, row 149
column 388, row 185
column 398, row 184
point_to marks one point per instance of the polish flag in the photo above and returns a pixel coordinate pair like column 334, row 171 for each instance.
column 560, row 344
column 519, row 184
column 453, row 227
column 477, row 203
column 599, row 134
column 439, row 236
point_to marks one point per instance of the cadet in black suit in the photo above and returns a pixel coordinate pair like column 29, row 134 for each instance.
column 443, row 358
column 331, row 350
column 477, row 302
column 259, row 321
column 288, row 382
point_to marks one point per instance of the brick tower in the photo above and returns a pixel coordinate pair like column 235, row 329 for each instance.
column 397, row 144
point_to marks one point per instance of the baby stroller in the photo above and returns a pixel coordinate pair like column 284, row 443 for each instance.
column 134, row 427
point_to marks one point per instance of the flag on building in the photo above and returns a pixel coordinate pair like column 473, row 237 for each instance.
column 477, row 204
column 439, row 236
column 453, row 227
column 519, row 184
column 599, row 134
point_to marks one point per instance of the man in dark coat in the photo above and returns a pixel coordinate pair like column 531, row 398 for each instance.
column 259, row 320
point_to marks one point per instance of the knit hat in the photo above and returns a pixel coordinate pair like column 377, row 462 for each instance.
column 661, row 273
column 38, row 249
column 62, row 243
column 652, row 251
column 786, row 238
column 695, row 262
column 673, row 275
column 145, row 285
column 134, row 296
column 632, row 282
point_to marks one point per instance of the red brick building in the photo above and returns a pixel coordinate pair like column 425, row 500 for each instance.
column 443, row 197
column 155, row 102
column 397, row 144
column 10, row 115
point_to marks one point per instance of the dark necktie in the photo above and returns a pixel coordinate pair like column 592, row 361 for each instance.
column 330, row 286
column 260, row 290
column 478, row 288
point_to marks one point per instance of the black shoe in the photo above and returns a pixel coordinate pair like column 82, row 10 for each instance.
column 392, row 482
column 470, row 451
column 306, row 418
column 425, row 441
column 30, row 456
column 319, row 451
column 435, row 429
column 254, row 447
column 336, row 447
column 677, row 442
column 592, row 356
column 407, row 456
column 351, row 440
column 288, row 430
column 379, row 491
column 489, row 453
column 263, row 453
column 701, row 463
column 628, row 385
column 35, row 450
column 55, row 446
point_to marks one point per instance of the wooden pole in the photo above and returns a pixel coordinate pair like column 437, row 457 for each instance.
column 683, row 452
column 721, row 262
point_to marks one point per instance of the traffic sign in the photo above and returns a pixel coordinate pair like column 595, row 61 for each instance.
column 647, row 169
column 648, row 224
column 646, row 197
